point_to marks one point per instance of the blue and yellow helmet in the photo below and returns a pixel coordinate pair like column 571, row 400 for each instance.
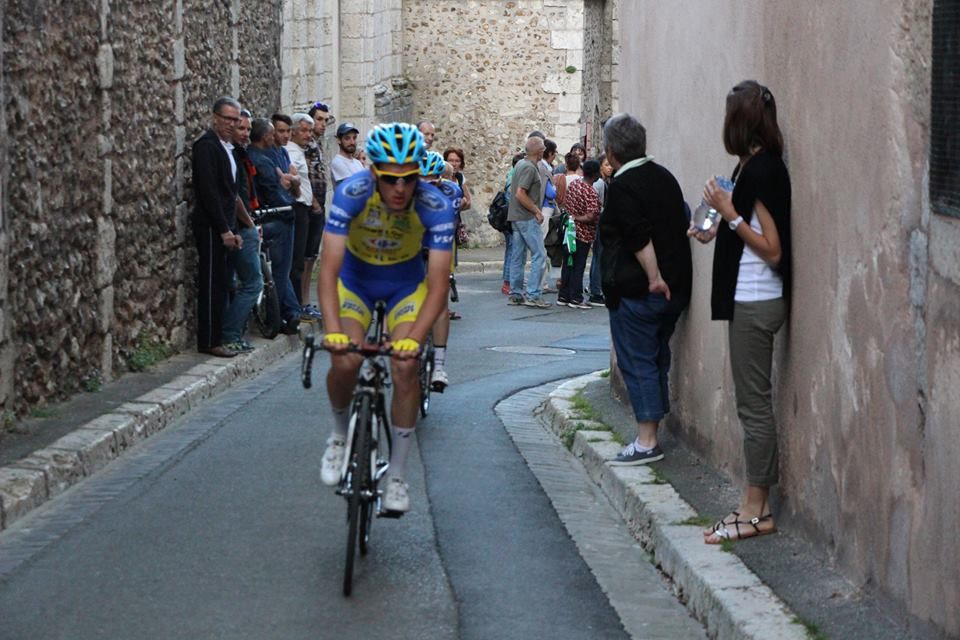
column 396, row 143
column 432, row 164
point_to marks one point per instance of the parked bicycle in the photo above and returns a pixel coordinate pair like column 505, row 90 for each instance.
column 266, row 309
column 368, row 439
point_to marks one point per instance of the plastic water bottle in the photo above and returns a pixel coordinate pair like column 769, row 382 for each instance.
column 705, row 217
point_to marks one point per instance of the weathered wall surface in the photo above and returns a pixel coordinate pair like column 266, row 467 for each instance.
column 868, row 365
column 309, row 54
column 499, row 71
column 102, row 101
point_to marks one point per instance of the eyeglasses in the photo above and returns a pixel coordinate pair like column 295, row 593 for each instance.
column 395, row 178
column 232, row 119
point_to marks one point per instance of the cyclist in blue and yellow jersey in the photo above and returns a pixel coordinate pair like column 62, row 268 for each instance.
column 378, row 222
column 432, row 170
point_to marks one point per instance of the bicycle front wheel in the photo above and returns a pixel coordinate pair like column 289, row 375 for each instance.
column 359, row 482
column 426, row 378
column 267, row 309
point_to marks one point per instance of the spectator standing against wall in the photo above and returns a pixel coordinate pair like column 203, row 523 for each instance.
column 751, row 287
column 214, row 222
column 317, row 163
column 278, row 231
column 301, row 132
column 596, row 275
column 345, row 163
column 647, row 277
column 244, row 263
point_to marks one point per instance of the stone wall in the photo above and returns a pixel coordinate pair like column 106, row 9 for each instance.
column 309, row 52
column 868, row 365
column 487, row 73
column 102, row 101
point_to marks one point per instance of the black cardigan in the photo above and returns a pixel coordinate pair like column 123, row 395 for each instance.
column 764, row 178
column 643, row 204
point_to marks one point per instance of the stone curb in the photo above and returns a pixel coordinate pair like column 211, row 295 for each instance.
column 480, row 267
column 715, row 585
column 28, row 483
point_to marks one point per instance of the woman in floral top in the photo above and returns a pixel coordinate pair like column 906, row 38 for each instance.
column 583, row 205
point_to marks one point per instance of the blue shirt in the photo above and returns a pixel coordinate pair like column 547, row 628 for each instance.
column 269, row 191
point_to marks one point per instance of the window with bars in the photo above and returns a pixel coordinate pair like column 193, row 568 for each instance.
column 945, row 107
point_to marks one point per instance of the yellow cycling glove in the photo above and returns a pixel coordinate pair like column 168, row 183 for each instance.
column 336, row 339
column 406, row 345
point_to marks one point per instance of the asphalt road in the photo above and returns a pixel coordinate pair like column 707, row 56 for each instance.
column 220, row 528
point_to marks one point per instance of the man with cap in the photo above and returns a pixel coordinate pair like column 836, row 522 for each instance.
column 345, row 164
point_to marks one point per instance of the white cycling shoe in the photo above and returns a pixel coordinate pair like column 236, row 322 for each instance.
column 332, row 462
column 439, row 380
column 396, row 497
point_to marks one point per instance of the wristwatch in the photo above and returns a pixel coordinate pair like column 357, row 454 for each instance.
column 735, row 223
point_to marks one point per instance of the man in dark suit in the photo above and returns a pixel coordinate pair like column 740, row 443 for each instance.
column 215, row 221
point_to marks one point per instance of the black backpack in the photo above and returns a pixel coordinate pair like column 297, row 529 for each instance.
column 497, row 213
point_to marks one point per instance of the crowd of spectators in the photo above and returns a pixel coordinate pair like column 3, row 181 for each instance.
column 243, row 164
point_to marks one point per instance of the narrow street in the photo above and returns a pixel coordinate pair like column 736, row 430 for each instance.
column 219, row 526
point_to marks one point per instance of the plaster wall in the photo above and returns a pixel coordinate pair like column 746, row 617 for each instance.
column 868, row 364
column 97, row 253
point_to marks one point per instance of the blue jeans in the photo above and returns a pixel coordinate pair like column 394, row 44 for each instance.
column 595, row 276
column 527, row 237
column 245, row 263
column 641, row 330
column 280, row 236
column 507, row 254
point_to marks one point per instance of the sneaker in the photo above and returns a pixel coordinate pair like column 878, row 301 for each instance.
column 310, row 313
column 332, row 463
column 246, row 345
column 579, row 305
column 515, row 301
column 505, row 289
column 631, row 456
column 536, row 302
column 239, row 346
column 439, row 380
column 596, row 301
column 562, row 302
column 396, row 498
column 549, row 290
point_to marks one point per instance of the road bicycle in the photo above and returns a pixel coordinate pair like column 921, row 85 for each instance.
column 266, row 309
column 368, row 442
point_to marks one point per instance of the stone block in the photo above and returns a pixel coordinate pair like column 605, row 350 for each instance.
column 148, row 417
column 105, row 66
column 563, row 82
column 125, row 427
column 21, row 490
column 568, row 117
column 96, row 448
column 575, row 58
column 106, row 253
column 61, row 469
column 566, row 39
column 197, row 388
column 173, row 402
column 179, row 59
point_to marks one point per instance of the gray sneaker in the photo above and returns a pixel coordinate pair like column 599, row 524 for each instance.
column 536, row 302
column 631, row 456
column 515, row 301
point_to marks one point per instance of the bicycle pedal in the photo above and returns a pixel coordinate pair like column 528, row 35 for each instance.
column 437, row 387
column 395, row 515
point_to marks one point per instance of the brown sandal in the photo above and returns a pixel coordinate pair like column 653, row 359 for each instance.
column 723, row 533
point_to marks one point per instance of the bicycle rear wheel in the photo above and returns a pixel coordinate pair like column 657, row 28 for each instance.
column 359, row 481
column 266, row 311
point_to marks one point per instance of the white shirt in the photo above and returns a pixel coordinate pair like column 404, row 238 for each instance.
column 757, row 280
column 342, row 167
column 233, row 161
column 299, row 160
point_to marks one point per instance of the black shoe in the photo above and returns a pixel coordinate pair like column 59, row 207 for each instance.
column 596, row 301
column 291, row 326
column 630, row 456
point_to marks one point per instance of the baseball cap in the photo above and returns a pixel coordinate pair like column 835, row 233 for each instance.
column 346, row 128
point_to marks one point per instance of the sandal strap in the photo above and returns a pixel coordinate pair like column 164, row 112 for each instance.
column 724, row 532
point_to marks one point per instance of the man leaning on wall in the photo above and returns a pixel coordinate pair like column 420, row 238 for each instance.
column 215, row 222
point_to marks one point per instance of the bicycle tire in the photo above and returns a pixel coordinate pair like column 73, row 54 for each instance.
column 266, row 312
column 359, row 479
